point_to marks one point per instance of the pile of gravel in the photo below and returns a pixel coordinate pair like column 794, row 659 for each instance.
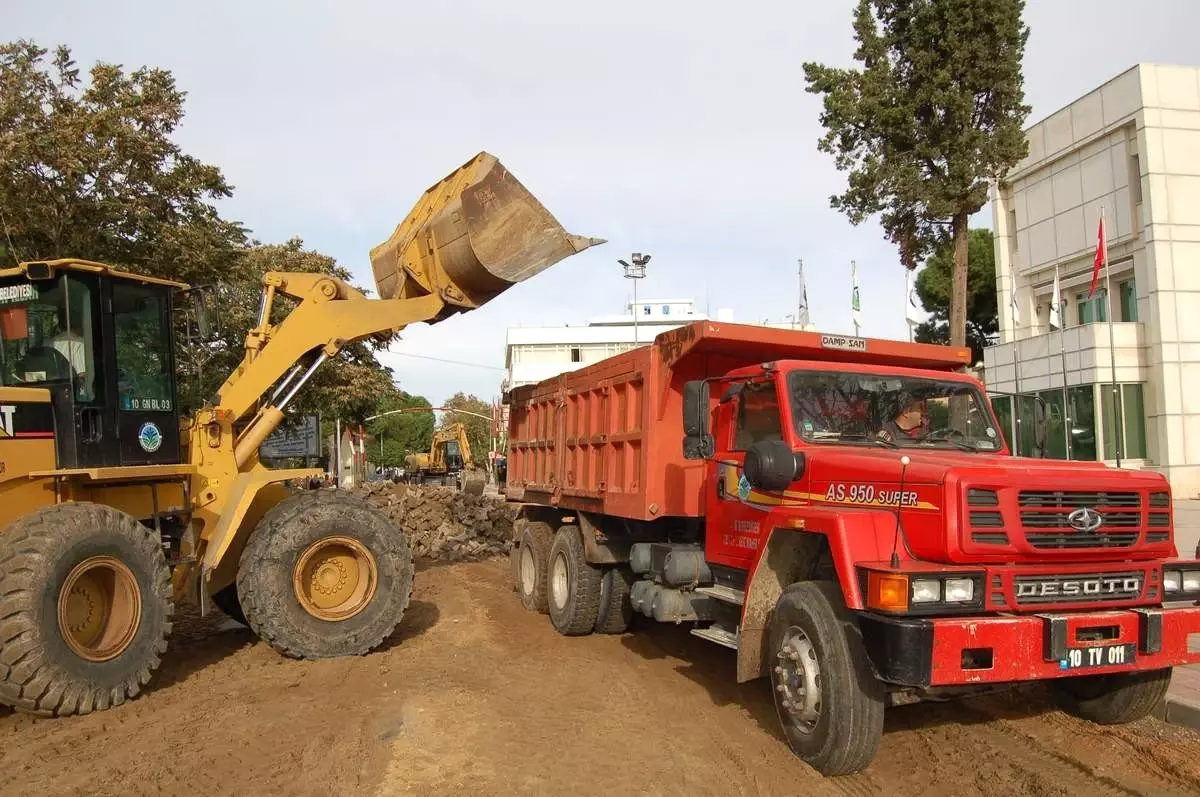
column 443, row 524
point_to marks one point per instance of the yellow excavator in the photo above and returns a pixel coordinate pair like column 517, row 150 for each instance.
column 449, row 462
column 113, row 506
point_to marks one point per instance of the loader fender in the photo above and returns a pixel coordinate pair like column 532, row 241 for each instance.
column 251, row 496
column 826, row 549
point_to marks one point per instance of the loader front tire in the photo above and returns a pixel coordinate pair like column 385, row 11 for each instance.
column 324, row 574
column 85, row 602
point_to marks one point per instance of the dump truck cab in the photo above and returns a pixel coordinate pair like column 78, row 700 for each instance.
column 96, row 343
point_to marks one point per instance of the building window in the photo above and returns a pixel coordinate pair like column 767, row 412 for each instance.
column 1132, row 420
column 1135, row 179
column 576, row 355
column 645, row 309
column 666, row 309
column 1083, row 422
column 1093, row 310
column 1127, row 290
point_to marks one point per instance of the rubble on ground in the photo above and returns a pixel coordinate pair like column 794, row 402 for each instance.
column 443, row 524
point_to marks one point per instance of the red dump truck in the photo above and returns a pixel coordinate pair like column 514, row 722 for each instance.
column 845, row 514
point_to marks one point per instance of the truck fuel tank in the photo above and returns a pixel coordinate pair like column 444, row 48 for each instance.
column 469, row 238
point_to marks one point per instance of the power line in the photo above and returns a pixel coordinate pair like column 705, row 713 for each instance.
column 451, row 362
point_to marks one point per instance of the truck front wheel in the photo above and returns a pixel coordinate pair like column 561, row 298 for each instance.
column 829, row 702
column 1113, row 699
column 573, row 585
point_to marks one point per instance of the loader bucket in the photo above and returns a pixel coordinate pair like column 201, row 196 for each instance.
column 471, row 237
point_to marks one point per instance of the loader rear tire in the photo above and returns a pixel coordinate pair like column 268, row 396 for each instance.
column 324, row 574
column 573, row 585
column 1112, row 699
column 85, row 602
column 532, row 565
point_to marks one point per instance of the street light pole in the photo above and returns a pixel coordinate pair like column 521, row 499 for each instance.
column 635, row 271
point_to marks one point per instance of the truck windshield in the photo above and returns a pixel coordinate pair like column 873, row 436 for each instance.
column 893, row 411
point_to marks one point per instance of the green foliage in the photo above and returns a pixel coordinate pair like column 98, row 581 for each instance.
column 479, row 430
column 934, row 286
column 403, row 433
column 88, row 169
column 91, row 170
column 934, row 112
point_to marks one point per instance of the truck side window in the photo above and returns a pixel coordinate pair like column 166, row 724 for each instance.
column 757, row 415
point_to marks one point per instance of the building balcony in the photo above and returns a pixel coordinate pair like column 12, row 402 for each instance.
column 1037, row 363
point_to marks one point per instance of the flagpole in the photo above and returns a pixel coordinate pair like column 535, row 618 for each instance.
column 854, row 293
column 1062, row 351
column 799, row 292
column 1112, row 350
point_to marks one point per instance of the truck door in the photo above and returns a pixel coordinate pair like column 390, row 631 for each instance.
column 734, row 519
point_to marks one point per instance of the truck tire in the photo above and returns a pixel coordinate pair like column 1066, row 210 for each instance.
column 324, row 574
column 615, row 611
column 85, row 597
column 830, row 704
column 1112, row 699
column 227, row 601
column 533, row 565
column 573, row 585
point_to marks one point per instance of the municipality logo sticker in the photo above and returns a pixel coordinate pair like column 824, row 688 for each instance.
column 743, row 487
column 150, row 437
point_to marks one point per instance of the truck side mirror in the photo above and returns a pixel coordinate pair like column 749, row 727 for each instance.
column 697, row 442
column 203, row 327
column 772, row 465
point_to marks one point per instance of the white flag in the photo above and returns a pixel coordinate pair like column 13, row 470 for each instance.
column 1056, row 303
column 912, row 309
column 1012, row 298
column 802, row 319
column 855, row 303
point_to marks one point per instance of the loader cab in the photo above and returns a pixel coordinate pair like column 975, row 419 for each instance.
column 100, row 341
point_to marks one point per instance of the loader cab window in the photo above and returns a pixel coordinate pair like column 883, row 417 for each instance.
column 757, row 415
column 143, row 364
column 47, row 335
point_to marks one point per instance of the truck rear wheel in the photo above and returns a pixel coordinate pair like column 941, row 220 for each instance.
column 573, row 586
column 615, row 611
column 533, row 564
column 324, row 574
column 85, row 597
column 1112, row 699
column 829, row 702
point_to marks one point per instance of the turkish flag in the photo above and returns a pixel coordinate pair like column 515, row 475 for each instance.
column 1101, row 256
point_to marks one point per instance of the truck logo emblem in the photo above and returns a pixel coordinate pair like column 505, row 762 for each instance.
column 743, row 487
column 150, row 437
column 1085, row 519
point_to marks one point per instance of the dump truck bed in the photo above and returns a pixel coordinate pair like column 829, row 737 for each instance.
column 608, row 438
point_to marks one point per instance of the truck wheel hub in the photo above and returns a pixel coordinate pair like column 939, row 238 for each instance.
column 335, row 578
column 797, row 678
column 559, row 581
column 528, row 569
column 99, row 608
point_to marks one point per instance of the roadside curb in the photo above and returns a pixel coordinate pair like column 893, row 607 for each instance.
column 1179, row 711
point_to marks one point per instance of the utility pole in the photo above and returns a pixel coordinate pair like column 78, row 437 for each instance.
column 635, row 271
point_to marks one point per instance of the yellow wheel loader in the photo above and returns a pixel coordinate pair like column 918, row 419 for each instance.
column 113, row 506
column 449, row 462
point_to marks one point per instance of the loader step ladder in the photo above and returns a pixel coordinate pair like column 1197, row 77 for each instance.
column 724, row 594
column 719, row 634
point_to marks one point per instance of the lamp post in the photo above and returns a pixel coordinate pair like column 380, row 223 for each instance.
column 635, row 271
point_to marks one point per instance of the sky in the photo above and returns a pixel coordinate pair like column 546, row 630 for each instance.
column 681, row 129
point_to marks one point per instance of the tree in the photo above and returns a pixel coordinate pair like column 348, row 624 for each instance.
column 933, row 114
column 91, row 171
column 479, row 430
column 934, row 287
column 403, row 433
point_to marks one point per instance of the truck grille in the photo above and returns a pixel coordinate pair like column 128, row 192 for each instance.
column 1079, row 588
column 1045, row 517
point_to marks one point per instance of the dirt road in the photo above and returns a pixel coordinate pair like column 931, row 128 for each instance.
column 476, row 696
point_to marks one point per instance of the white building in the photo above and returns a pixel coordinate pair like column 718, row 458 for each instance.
column 532, row 354
column 1131, row 147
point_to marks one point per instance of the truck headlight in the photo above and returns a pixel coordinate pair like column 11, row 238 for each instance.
column 1191, row 580
column 1172, row 581
column 1181, row 582
column 960, row 590
column 926, row 590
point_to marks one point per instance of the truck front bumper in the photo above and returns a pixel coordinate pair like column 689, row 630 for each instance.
column 946, row 651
